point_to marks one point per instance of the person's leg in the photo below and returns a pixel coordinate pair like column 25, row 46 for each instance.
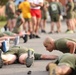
column 26, row 57
column 22, row 58
column 52, row 27
column 13, row 23
column 44, row 25
column 52, row 24
column 24, row 36
column 37, row 26
column 8, row 24
column 30, row 28
column 36, row 17
column 34, row 23
column 58, row 26
column 8, row 58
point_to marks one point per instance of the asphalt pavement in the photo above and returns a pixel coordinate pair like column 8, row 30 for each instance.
column 37, row 45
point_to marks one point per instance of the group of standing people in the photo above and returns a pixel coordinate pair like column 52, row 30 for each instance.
column 30, row 12
column 34, row 14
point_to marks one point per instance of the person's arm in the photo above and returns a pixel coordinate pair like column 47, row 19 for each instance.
column 44, row 56
column 36, row 5
column 11, row 8
column 71, row 45
column 40, row 4
column 22, row 20
column 48, row 57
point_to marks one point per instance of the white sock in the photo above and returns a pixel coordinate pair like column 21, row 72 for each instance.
column 16, row 41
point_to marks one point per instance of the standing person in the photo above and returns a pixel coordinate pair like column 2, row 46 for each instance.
column 65, row 45
column 44, row 15
column 65, row 65
column 75, row 13
column 61, row 7
column 54, row 12
column 26, row 13
column 70, row 16
column 36, row 15
column 10, row 14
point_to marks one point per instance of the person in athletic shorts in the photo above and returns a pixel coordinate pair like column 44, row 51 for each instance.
column 44, row 10
column 10, row 10
column 54, row 12
column 26, row 13
column 65, row 45
column 36, row 15
column 70, row 16
column 64, row 65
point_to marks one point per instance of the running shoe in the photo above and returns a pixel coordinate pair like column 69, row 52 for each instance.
column 69, row 31
column 5, row 46
column 16, row 41
column 30, row 58
column 25, row 38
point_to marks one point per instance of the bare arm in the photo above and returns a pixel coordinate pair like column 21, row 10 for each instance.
column 71, row 45
column 36, row 5
column 49, row 57
column 10, row 6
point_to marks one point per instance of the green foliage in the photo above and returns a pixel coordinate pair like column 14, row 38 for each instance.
column 2, row 23
column 2, row 18
column 3, row 2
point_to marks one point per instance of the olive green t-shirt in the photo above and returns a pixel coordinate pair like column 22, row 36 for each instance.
column 70, row 6
column 67, row 59
column 8, row 11
column 54, row 8
column 75, row 7
column 61, row 44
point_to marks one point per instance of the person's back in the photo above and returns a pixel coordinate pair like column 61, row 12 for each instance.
column 70, row 6
column 8, row 10
column 53, row 8
column 61, row 44
column 25, row 7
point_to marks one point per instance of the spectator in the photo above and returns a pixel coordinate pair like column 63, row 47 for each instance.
column 10, row 14
column 54, row 12
column 36, row 15
column 44, row 15
column 25, row 8
column 70, row 16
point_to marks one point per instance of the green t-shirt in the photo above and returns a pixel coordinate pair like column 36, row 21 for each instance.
column 8, row 11
column 70, row 6
column 61, row 44
column 67, row 59
column 54, row 8
column 75, row 7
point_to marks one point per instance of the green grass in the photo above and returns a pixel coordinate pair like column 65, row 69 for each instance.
column 2, row 23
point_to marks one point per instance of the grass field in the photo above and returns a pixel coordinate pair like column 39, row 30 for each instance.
column 2, row 23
